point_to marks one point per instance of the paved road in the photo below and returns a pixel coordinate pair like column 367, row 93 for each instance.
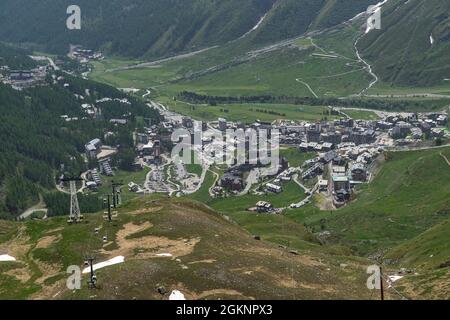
column 406, row 149
column 36, row 208
column 251, row 180
column 158, row 62
column 445, row 158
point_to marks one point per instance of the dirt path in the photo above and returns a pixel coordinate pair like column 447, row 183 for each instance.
column 307, row 86
column 36, row 208
column 445, row 158
column 368, row 67
column 158, row 62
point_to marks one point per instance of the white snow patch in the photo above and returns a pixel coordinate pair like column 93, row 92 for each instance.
column 176, row 296
column 392, row 279
column 6, row 258
column 129, row 90
column 431, row 39
column 164, row 255
column 256, row 26
column 111, row 262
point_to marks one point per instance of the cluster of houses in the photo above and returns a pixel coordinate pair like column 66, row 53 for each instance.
column 85, row 55
column 148, row 147
column 96, row 151
column 415, row 126
column 346, row 167
column 346, row 149
column 22, row 79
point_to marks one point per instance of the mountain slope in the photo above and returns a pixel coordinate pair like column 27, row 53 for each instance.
column 429, row 250
column 409, row 195
column 412, row 46
column 211, row 258
column 131, row 27
column 429, row 255
column 155, row 28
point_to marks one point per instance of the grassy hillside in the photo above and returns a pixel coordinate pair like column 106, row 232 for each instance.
column 409, row 195
column 427, row 254
column 429, row 250
column 402, row 52
column 212, row 258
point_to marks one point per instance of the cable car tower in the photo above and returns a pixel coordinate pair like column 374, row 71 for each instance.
column 116, row 193
column 75, row 215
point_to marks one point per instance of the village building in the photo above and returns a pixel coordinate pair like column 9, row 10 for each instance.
column 264, row 207
column 274, row 188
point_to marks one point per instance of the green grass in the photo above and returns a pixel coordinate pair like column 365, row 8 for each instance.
column 386, row 89
column 194, row 168
column 202, row 195
column 410, row 194
column 295, row 157
column 271, row 73
column 361, row 115
column 292, row 193
column 248, row 113
column 276, row 228
column 426, row 251
column 125, row 178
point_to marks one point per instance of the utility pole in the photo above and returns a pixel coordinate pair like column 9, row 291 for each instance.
column 381, row 284
column 93, row 278
column 115, row 193
column 107, row 202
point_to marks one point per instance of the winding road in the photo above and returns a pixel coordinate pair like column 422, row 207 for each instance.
column 308, row 86
column 36, row 208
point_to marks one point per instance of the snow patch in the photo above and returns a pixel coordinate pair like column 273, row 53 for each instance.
column 176, row 296
column 431, row 39
column 392, row 279
column 256, row 26
column 6, row 258
column 164, row 255
column 111, row 262
column 129, row 90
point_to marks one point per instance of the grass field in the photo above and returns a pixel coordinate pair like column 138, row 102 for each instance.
column 410, row 194
column 386, row 89
column 295, row 157
column 427, row 251
column 361, row 115
column 425, row 254
column 248, row 113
